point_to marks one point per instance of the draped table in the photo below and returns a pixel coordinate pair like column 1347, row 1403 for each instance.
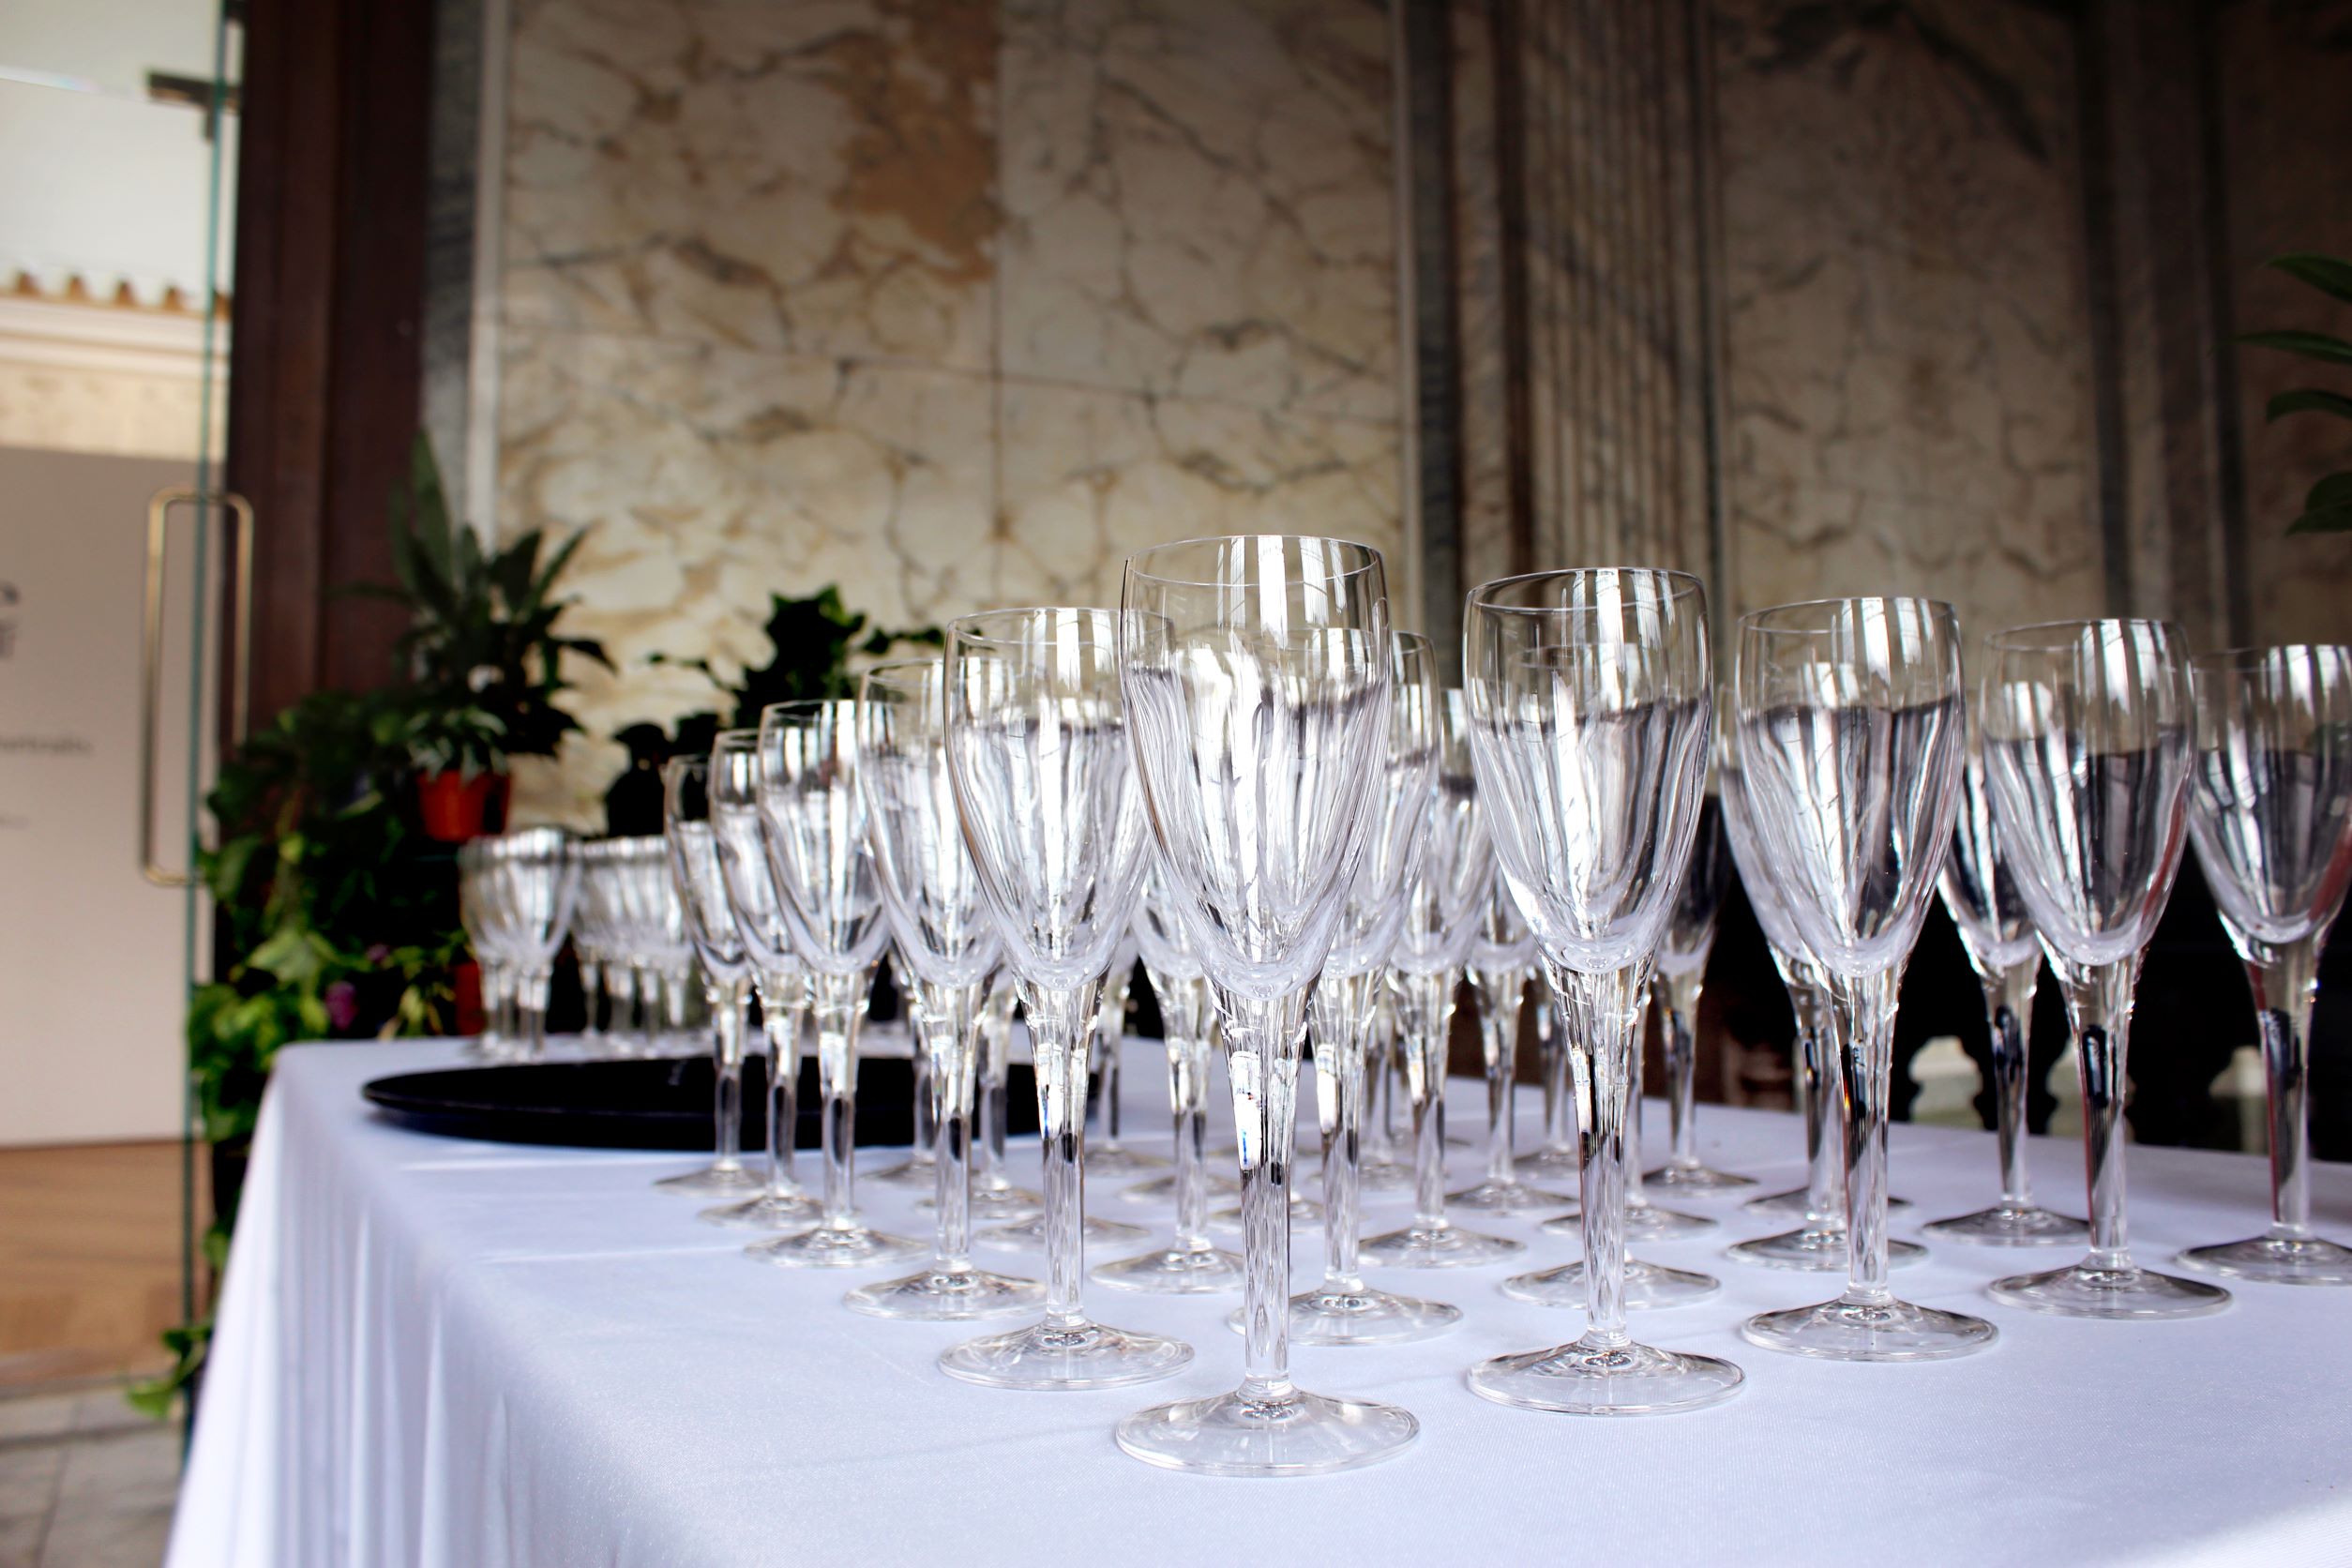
column 467, row 1354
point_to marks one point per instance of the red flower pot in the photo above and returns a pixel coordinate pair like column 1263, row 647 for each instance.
column 454, row 808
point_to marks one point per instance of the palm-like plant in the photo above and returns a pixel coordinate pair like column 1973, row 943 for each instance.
column 2327, row 507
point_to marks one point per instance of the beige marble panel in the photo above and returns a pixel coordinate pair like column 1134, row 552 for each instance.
column 2287, row 77
column 1197, row 200
column 708, row 478
column 816, row 177
column 1091, row 477
column 1907, row 337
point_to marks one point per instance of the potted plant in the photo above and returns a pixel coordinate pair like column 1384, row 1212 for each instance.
column 482, row 650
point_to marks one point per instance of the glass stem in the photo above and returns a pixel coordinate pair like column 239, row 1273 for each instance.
column 2285, row 989
column 1424, row 1008
column 1602, row 1019
column 729, row 1000
column 1380, row 1067
column 1111, row 1029
column 996, row 1040
column 1865, row 1007
column 837, row 1008
column 1552, row 1053
column 946, row 1018
column 1183, row 1014
column 1340, row 1018
column 1060, row 1023
column 2008, row 1010
column 925, row 1090
column 533, row 989
column 1501, row 996
column 2099, row 1010
column 1262, row 1040
column 780, row 997
column 642, row 983
column 1636, row 1066
column 1818, row 1057
column 1682, row 992
column 591, row 973
column 673, row 992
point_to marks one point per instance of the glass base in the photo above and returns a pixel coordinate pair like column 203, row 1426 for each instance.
column 1820, row 1248
column 940, row 1295
column 1304, row 1211
column 1008, row 1205
column 1883, row 1331
column 1450, row 1247
column 767, row 1212
column 1695, row 1180
column 1647, row 1284
column 1644, row 1222
column 1513, row 1197
column 1548, row 1165
column 1162, row 1189
column 1329, row 1315
column 1793, row 1203
column 1206, row 1271
column 1075, row 1355
column 922, row 1171
column 835, row 1246
column 1303, row 1434
column 716, row 1181
column 1117, row 1159
column 1030, row 1235
column 1384, row 1176
column 2081, row 1290
column 1613, row 1380
column 2003, row 1225
column 2277, row 1260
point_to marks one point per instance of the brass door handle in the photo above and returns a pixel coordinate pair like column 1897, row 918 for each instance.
column 151, row 655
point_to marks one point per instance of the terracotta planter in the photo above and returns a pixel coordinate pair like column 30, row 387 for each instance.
column 454, row 808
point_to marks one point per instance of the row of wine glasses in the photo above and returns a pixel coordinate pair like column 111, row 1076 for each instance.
column 1248, row 771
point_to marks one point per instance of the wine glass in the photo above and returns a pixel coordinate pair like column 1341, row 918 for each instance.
column 691, row 851
column 1555, row 1158
column 2086, row 749
column 777, row 975
column 813, row 825
column 994, row 1196
column 1589, row 708
column 1980, row 893
column 1191, row 1264
column 1689, row 937
column 1107, row 1155
column 919, row 1170
column 1818, row 1242
column 1257, row 675
column 1852, row 736
column 2270, row 813
column 481, row 936
column 535, row 880
column 1502, row 957
column 662, row 947
column 1443, row 904
column 947, row 953
column 1343, row 1309
column 1045, row 790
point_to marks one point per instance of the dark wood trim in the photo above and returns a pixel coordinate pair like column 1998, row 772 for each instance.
column 1511, row 191
column 2094, row 128
column 2228, row 431
column 1434, row 398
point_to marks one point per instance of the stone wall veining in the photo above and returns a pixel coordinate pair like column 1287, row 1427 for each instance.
column 951, row 303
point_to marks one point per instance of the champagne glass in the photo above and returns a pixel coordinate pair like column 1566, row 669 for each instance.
column 994, row 1196
column 1343, row 1309
column 1818, row 1242
column 1555, row 1158
column 1690, row 936
column 947, row 951
column 777, row 975
column 813, row 824
column 1443, row 904
column 1191, row 1264
column 2270, row 812
column 1380, row 1170
column 1258, row 674
column 535, row 880
column 1588, row 708
column 1980, row 893
column 920, row 1169
column 1852, row 736
column 1106, row 1154
column 1045, row 785
column 692, row 854
column 1502, row 956
column 2086, row 749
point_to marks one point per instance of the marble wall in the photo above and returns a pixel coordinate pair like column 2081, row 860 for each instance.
column 951, row 303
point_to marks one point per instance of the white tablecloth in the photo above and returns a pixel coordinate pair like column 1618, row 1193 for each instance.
column 467, row 1354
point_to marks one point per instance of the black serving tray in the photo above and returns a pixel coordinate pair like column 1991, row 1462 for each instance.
column 650, row 1105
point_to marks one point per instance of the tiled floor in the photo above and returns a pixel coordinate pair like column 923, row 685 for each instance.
column 85, row 1481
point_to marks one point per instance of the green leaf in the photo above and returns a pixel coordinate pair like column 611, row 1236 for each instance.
column 2330, row 274
column 2311, row 399
column 2324, row 519
column 2333, row 491
column 2311, row 346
